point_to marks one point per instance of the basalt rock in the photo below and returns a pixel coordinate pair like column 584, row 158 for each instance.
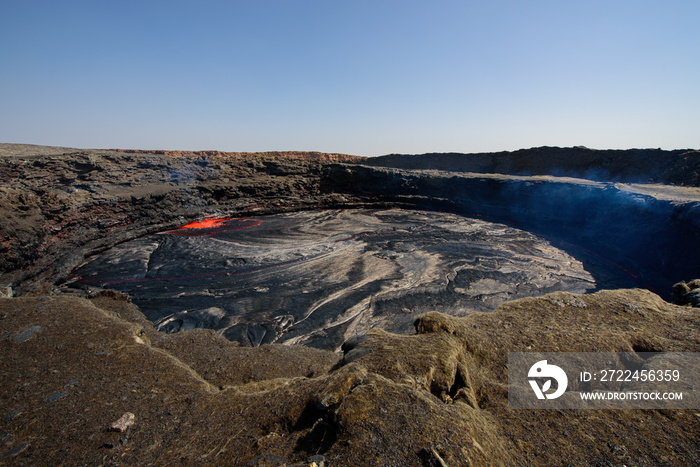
column 687, row 294
column 320, row 277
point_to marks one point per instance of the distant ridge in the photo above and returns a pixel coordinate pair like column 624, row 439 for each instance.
column 28, row 150
column 293, row 155
column 677, row 167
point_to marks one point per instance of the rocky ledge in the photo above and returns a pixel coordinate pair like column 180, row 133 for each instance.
column 72, row 367
column 88, row 380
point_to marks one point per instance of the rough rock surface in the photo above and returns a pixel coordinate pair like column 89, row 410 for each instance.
column 71, row 366
column 393, row 399
column 687, row 294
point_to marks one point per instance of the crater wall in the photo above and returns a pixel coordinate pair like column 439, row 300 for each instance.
column 649, row 231
column 61, row 205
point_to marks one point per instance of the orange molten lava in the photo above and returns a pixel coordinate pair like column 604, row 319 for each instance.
column 205, row 224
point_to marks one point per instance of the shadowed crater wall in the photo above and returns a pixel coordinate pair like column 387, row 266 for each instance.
column 677, row 167
column 649, row 232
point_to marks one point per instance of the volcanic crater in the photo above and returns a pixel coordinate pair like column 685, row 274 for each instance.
column 234, row 254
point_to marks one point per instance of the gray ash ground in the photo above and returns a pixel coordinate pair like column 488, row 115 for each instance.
column 318, row 278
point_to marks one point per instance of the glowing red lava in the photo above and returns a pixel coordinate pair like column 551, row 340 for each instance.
column 213, row 226
column 205, row 224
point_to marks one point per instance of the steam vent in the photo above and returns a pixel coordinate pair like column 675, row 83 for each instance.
column 299, row 308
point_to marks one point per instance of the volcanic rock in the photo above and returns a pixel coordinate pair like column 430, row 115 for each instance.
column 687, row 294
column 125, row 421
column 383, row 407
column 26, row 334
column 319, row 278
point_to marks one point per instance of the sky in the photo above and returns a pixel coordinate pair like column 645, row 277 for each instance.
column 354, row 76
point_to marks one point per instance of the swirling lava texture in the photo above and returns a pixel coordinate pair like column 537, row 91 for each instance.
column 318, row 278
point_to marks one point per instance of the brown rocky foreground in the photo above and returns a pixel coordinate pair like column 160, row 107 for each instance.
column 72, row 367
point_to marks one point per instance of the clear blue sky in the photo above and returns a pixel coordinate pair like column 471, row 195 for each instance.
column 353, row 76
